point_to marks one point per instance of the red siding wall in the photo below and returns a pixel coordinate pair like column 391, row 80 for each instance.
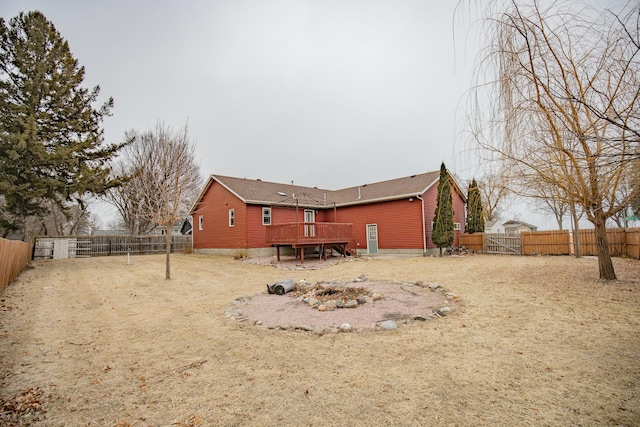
column 282, row 215
column 430, row 202
column 460, row 216
column 399, row 224
column 248, row 231
column 214, row 206
column 257, row 233
column 398, row 221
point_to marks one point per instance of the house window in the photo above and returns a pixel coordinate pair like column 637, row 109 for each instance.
column 266, row 216
column 232, row 217
column 200, row 222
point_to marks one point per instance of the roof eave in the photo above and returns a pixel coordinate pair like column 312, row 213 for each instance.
column 201, row 195
column 379, row 199
column 206, row 188
column 287, row 204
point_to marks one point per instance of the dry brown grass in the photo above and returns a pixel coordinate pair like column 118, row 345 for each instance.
column 535, row 341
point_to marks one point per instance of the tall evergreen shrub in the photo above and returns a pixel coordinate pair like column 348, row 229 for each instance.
column 442, row 235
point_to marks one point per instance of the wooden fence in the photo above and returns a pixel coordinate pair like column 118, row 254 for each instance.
column 92, row 246
column 615, row 236
column 622, row 242
column 473, row 242
column 633, row 243
column 554, row 242
column 14, row 257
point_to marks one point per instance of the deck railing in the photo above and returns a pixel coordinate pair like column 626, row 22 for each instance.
column 309, row 233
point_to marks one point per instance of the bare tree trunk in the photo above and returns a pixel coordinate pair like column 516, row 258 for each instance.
column 168, row 253
column 605, row 264
column 23, row 229
column 576, row 230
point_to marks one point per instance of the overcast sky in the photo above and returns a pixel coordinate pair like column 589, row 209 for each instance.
column 325, row 93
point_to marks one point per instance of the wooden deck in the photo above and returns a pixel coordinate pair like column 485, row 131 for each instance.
column 309, row 234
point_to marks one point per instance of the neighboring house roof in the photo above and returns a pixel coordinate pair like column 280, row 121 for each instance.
column 256, row 191
column 516, row 224
column 489, row 224
column 186, row 227
column 492, row 225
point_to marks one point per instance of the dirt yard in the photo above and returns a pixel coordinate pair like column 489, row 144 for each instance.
column 531, row 341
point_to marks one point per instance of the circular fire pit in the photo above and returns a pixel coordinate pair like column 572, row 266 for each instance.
column 323, row 297
column 331, row 307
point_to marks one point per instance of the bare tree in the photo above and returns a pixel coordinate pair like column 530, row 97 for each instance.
column 629, row 185
column 75, row 220
column 167, row 177
column 72, row 219
column 564, row 74
column 552, row 200
column 126, row 197
column 493, row 190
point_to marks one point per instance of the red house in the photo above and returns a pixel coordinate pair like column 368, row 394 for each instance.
column 259, row 217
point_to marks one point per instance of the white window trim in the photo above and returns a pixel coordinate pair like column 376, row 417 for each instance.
column 232, row 217
column 201, row 223
column 266, row 212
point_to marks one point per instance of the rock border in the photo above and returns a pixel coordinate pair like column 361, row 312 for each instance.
column 233, row 311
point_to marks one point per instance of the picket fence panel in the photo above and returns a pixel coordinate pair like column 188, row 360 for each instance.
column 502, row 243
column 93, row 246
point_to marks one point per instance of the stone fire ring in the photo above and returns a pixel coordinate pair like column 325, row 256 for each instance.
column 329, row 307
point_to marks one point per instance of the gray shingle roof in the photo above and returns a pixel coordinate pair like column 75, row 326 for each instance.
column 388, row 190
column 515, row 224
column 256, row 191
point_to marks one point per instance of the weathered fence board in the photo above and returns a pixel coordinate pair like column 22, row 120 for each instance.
column 554, row 242
column 633, row 243
column 615, row 236
column 622, row 242
column 473, row 242
column 502, row 243
column 14, row 257
column 92, row 246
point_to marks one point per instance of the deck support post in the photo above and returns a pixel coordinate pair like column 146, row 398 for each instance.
column 278, row 252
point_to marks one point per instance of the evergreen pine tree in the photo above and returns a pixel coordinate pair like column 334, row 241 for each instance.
column 442, row 234
column 51, row 140
column 475, row 220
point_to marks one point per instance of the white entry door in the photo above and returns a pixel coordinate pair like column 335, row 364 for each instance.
column 372, row 238
column 309, row 219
